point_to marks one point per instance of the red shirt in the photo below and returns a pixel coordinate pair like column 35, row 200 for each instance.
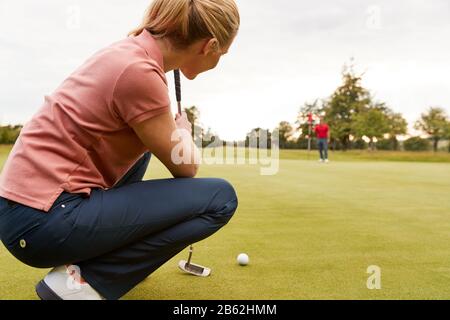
column 321, row 131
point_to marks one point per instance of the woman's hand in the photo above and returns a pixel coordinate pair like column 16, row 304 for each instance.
column 182, row 122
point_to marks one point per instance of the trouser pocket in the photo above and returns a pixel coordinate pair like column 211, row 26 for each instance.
column 17, row 227
column 22, row 247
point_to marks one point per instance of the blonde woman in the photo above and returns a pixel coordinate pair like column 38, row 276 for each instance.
column 72, row 195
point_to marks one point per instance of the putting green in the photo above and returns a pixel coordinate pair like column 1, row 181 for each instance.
column 311, row 232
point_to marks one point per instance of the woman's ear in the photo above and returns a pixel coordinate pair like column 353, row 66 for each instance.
column 211, row 46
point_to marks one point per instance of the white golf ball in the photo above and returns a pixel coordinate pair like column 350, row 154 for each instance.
column 243, row 259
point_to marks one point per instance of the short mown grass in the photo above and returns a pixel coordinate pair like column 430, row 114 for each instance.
column 311, row 232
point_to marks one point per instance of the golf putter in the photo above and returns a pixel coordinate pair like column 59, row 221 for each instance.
column 194, row 269
column 178, row 89
column 184, row 265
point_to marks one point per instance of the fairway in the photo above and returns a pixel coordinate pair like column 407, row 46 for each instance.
column 311, row 232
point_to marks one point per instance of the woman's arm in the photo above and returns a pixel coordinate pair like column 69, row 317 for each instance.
column 156, row 134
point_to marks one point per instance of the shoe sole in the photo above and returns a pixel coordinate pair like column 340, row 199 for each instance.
column 45, row 293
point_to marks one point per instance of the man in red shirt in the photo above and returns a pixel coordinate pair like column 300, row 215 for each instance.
column 323, row 137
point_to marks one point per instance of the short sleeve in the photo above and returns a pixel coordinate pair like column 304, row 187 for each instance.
column 141, row 93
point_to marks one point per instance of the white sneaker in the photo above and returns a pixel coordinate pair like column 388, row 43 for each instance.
column 327, row 161
column 321, row 160
column 61, row 284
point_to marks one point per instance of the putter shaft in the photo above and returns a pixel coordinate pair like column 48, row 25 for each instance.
column 178, row 88
column 187, row 266
column 191, row 251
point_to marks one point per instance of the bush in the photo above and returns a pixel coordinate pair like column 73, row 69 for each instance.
column 335, row 145
column 386, row 144
column 417, row 144
column 9, row 134
column 302, row 143
column 359, row 144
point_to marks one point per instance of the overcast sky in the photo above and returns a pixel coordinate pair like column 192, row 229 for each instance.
column 288, row 52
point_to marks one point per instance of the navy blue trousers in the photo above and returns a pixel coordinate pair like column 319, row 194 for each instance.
column 118, row 237
column 323, row 148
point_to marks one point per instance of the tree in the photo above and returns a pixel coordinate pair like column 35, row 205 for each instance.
column 386, row 144
column 372, row 123
column 416, row 144
column 303, row 116
column 303, row 124
column 3, row 135
column 347, row 101
column 9, row 134
column 434, row 123
column 397, row 126
column 193, row 115
column 286, row 132
column 210, row 139
column 359, row 144
column 448, row 135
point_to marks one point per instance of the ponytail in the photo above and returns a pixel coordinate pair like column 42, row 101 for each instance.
column 184, row 22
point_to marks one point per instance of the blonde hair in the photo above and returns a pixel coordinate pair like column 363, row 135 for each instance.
column 184, row 22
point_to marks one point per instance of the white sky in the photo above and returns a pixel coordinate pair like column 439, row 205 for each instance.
column 288, row 52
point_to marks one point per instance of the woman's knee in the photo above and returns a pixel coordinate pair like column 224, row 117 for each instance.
column 226, row 201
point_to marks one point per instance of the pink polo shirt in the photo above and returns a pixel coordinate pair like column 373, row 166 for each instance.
column 81, row 137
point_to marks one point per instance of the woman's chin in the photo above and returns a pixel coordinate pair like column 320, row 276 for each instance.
column 189, row 76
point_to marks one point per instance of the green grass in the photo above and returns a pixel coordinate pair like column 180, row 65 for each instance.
column 364, row 155
column 311, row 233
column 4, row 151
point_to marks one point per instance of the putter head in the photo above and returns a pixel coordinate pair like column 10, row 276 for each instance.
column 194, row 269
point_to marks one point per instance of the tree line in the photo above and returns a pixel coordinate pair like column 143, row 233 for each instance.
column 9, row 134
column 356, row 121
